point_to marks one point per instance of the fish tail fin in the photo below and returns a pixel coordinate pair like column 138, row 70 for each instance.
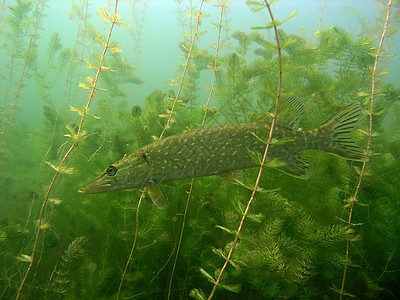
column 335, row 133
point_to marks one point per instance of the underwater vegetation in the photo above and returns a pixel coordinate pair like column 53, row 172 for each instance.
column 274, row 236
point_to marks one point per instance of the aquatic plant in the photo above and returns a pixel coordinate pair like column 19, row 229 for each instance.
column 293, row 234
column 60, row 278
column 76, row 137
column 22, row 32
column 262, row 161
column 354, row 199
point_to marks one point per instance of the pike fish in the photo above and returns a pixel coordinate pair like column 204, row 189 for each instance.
column 226, row 150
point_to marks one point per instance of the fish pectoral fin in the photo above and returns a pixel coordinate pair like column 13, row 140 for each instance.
column 297, row 166
column 156, row 196
column 235, row 176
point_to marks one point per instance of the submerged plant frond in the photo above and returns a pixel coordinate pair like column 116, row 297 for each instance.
column 280, row 238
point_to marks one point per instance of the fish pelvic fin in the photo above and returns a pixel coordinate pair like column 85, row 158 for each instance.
column 335, row 134
column 156, row 196
column 297, row 166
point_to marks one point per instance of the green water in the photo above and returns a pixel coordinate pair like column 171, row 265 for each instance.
column 56, row 243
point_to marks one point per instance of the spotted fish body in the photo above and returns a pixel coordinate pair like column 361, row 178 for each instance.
column 205, row 152
column 219, row 150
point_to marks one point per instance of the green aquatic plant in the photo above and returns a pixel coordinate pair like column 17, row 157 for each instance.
column 61, row 277
column 76, row 138
column 52, row 69
column 23, row 23
column 353, row 199
column 262, row 161
column 169, row 117
column 282, row 262
column 126, row 75
column 293, row 240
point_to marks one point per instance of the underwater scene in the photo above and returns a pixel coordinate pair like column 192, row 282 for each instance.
column 199, row 149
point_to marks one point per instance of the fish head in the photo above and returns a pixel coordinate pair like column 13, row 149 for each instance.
column 130, row 172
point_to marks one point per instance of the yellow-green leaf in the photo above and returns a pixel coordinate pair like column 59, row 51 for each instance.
column 84, row 86
column 122, row 24
column 101, row 39
column 62, row 169
column 291, row 15
column 208, row 276
column 103, row 68
column 90, row 80
column 89, row 65
column 225, row 229
column 55, row 201
column 288, row 43
column 94, row 117
column 106, row 16
column 255, row 6
column 274, row 23
column 258, row 27
column 197, row 294
column 24, row 257
column 115, row 49
column 235, row 288
column 80, row 112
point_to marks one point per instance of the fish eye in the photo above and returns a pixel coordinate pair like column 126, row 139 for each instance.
column 111, row 171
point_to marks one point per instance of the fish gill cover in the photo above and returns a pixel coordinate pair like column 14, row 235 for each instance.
column 84, row 85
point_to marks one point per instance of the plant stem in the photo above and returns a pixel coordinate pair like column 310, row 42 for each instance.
column 74, row 54
column 133, row 245
column 202, row 125
column 370, row 114
column 189, row 56
column 73, row 146
column 180, row 237
column 278, row 95
column 214, row 69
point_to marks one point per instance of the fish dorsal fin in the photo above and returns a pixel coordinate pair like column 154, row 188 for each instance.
column 235, row 176
column 297, row 166
column 290, row 112
column 156, row 196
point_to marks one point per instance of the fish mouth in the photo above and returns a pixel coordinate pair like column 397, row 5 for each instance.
column 95, row 187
